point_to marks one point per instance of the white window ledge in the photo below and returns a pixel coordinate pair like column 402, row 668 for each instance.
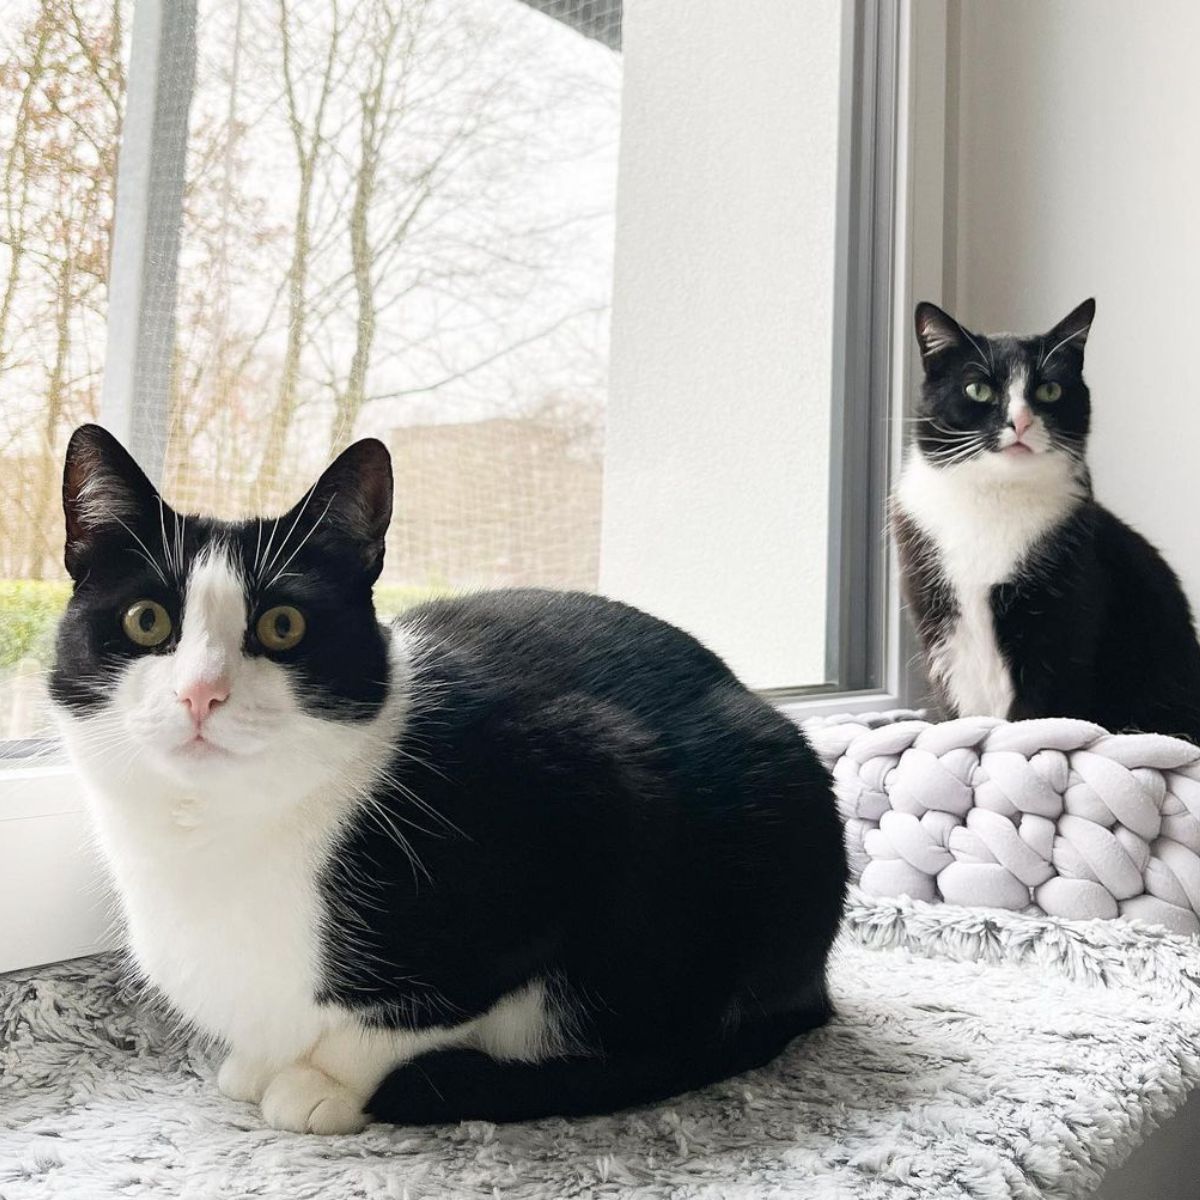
column 54, row 893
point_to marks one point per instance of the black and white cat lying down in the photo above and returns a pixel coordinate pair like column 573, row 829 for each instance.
column 543, row 841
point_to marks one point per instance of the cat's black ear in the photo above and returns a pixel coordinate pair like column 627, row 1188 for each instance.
column 937, row 332
column 354, row 496
column 1071, row 332
column 103, row 490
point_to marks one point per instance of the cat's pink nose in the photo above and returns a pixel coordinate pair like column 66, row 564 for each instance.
column 203, row 696
column 1021, row 418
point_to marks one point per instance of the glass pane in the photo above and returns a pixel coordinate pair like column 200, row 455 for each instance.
column 399, row 222
column 62, row 89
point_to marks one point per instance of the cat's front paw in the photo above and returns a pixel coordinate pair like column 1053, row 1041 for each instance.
column 244, row 1078
column 304, row 1100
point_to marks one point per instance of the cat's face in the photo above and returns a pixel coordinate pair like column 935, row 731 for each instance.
column 1003, row 404
column 219, row 654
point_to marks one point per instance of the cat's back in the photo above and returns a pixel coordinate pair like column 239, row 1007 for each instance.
column 580, row 764
column 1134, row 564
column 576, row 682
column 1148, row 640
column 539, row 638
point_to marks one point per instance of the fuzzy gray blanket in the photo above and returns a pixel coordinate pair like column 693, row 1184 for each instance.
column 973, row 1055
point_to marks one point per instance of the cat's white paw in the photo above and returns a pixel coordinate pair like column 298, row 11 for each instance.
column 304, row 1100
column 242, row 1077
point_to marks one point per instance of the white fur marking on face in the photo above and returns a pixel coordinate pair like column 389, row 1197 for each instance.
column 1018, row 405
column 214, row 621
column 258, row 739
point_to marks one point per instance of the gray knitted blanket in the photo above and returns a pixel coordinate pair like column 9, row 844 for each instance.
column 974, row 1055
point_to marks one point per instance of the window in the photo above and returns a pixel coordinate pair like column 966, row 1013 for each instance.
column 62, row 90
column 398, row 218
column 397, row 221
column 402, row 218
column 394, row 218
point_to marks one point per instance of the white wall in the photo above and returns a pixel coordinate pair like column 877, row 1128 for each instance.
column 717, row 461
column 1079, row 174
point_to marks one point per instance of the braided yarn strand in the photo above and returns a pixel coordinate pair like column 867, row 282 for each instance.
column 1052, row 816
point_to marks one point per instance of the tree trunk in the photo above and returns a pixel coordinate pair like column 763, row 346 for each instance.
column 47, row 487
column 285, row 401
column 308, row 152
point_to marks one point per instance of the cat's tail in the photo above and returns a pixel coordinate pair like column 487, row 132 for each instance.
column 456, row 1085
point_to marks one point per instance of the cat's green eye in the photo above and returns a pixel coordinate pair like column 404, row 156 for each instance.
column 1048, row 393
column 146, row 623
column 981, row 392
column 281, row 627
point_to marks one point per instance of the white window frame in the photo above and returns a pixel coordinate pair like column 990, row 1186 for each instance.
column 892, row 193
column 50, row 873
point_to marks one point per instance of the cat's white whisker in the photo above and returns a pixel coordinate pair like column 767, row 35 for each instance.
column 303, row 543
column 162, row 527
column 1060, row 344
column 292, row 529
column 991, row 367
column 144, row 550
column 270, row 542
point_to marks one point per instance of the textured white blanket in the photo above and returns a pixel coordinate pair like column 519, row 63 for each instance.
column 1051, row 816
column 973, row 1055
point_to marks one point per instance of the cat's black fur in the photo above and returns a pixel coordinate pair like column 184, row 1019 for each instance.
column 1094, row 624
column 641, row 831
column 589, row 797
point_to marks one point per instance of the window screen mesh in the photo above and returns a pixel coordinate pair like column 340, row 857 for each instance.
column 62, row 89
column 397, row 221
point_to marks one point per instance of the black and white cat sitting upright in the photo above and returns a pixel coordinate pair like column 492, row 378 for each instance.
column 541, row 843
column 1029, row 597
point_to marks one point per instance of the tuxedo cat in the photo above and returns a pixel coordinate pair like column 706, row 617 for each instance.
column 1029, row 597
column 522, row 853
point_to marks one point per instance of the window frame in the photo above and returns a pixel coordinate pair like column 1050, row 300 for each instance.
column 891, row 250
column 892, row 221
column 148, row 228
column 46, row 834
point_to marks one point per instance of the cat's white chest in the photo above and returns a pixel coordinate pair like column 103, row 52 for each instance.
column 983, row 520
column 968, row 662
column 228, row 928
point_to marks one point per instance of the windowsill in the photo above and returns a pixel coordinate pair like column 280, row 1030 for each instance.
column 801, row 708
column 50, row 873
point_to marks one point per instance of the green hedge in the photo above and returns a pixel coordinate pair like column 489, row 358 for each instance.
column 391, row 599
column 30, row 608
column 29, row 611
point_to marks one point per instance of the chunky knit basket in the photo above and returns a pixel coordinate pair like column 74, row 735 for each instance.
column 1052, row 816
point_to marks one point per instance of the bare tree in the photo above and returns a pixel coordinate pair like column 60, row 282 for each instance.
column 18, row 166
column 452, row 119
column 65, row 83
column 377, row 111
column 310, row 139
column 408, row 264
column 413, row 268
